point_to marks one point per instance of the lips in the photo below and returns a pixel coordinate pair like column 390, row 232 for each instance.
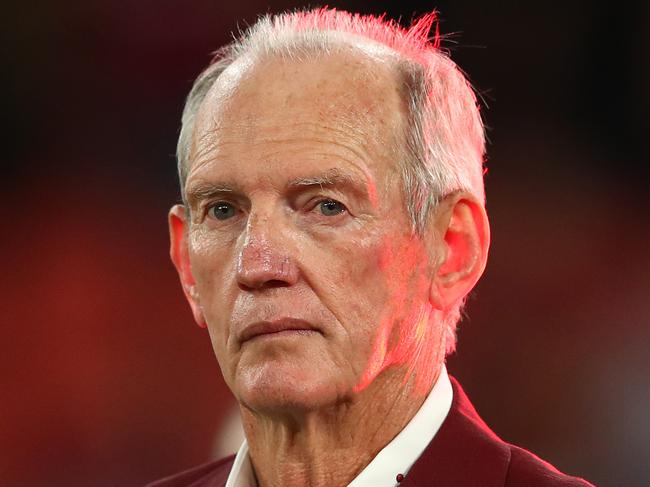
column 275, row 326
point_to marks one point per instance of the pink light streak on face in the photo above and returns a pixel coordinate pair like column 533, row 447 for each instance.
column 404, row 336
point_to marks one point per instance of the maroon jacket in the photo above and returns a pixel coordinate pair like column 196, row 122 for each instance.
column 464, row 453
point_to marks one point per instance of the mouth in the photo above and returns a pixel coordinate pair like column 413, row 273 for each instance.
column 282, row 327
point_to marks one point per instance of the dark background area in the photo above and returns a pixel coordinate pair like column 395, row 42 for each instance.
column 104, row 378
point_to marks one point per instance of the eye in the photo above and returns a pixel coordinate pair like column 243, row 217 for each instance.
column 222, row 210
column 331, row 207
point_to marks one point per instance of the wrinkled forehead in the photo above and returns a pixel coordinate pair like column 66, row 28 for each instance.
column 350, row 90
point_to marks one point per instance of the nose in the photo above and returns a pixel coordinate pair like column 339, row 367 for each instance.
column 264, row 260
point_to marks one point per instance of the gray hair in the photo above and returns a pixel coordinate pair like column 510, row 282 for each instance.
column 444, row 142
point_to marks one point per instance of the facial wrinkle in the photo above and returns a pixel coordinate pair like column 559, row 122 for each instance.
column 327, row 135
column 330, row 304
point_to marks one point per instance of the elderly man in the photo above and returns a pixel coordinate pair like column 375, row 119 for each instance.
column 332, row 223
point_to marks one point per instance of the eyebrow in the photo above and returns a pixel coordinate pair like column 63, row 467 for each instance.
column 330, row 178
column 362, row 186
column 205, row 190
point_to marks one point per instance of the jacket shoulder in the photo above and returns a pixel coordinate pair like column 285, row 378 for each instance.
column 466, row 452
column 212, row 474
column 527, row 469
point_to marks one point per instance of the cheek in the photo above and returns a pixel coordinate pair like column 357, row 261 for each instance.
column 212, row 259
column 348, row 277
column 405, row 322
column 376, row 284
column 213, row 266
column 383, row 269
column 404, row 262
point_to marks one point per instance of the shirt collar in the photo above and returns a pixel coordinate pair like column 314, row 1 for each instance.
column 241, row 473
column 397, row 457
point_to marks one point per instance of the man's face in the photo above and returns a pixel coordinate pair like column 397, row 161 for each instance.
column 305, row 268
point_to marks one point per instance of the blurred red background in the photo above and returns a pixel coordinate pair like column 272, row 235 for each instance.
column 104, row 378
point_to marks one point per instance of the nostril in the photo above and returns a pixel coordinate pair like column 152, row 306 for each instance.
column 245, row 287
column 276, row 283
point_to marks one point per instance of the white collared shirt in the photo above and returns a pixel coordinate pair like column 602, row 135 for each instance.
column 397, row 457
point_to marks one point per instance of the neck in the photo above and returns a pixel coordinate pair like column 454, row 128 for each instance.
column 332, row 445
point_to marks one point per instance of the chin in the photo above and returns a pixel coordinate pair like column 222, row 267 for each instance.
column 286, row 386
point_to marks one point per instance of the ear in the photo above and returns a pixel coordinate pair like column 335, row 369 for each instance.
column 179, row 252
column 463, row 230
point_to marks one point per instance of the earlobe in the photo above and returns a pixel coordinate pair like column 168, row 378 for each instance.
column 179, row 254
column 464, row 232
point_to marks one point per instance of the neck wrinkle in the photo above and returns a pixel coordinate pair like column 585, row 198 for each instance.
column 301, row 449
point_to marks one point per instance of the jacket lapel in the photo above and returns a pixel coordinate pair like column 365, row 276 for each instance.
column 463, row 452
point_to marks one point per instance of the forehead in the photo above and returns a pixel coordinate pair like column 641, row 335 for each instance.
column 349, row 104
